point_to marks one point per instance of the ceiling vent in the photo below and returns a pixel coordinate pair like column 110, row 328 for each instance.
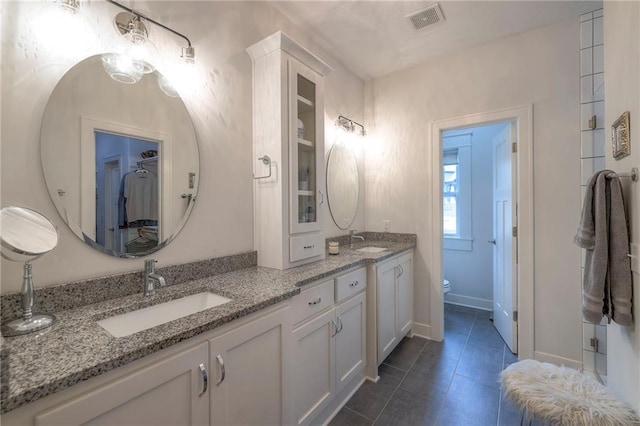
column 426, row 17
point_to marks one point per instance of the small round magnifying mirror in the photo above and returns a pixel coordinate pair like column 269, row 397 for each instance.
column 26, row 235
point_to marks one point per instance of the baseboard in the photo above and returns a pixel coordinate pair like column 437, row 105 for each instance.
column 421, row 330
column 468, row 301
column 557, row 360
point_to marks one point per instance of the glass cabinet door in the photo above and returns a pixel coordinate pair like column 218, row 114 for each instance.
column 306, row 149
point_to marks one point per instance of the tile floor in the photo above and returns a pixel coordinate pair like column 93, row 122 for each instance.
column 455, row 382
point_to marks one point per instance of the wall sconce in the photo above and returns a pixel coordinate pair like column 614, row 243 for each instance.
column 129, row 66
column 349, row 125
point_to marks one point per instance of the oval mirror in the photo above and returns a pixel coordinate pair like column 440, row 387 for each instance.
column 342, row 184
column 26, row 234
column 120, row 160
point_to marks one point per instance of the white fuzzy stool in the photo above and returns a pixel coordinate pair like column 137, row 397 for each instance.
column 562, row 396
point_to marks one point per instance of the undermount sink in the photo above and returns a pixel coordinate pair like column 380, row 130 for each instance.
column 371, row 249
column 143, row 319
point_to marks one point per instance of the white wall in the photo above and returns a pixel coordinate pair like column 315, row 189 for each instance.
column 219, row 102
column 472, row 285
column 539, row 67
column 622, row 82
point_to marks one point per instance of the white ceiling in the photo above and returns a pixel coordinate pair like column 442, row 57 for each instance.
column 373, row 38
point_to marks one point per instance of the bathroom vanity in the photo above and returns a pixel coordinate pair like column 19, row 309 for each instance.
column 289, row 348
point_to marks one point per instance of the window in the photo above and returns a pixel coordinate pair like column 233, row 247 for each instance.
column 456, row 191
column 450, row 215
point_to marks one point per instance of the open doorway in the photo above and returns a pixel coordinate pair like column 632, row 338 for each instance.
column 478, row 212
column 516, row 129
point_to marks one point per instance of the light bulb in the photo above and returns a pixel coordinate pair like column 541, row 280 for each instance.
column 122, row 68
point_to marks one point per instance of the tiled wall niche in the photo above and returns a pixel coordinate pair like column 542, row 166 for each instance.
column 592, row 149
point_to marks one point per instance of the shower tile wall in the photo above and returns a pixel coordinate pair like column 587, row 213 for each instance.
column 593, row 145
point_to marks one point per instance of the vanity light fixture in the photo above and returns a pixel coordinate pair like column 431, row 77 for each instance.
column 349, row 125
column 132, row 26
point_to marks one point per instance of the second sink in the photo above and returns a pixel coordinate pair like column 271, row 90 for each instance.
column 143, row 319
column 371, row 249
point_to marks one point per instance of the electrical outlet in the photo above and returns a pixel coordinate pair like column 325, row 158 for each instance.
column 387, row 225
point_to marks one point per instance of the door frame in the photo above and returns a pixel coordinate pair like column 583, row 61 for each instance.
column 522, row 116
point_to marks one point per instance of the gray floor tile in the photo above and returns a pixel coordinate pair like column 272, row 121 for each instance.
column 406, row 408
column 485, row 316
column 371, row 398
column 486, row 334
column 481, row 363
column 509, row 413
column 458, row 321
column 347, row 417
column 470, row 403
column 406, row 352
column 509, row 357
column 451, row 347
column 430, row 376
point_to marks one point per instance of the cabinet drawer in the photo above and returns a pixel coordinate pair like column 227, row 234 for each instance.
column 312, row 301
column 305, row 246
column 350, row 283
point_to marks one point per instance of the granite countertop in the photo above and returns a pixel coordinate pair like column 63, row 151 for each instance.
column 76, row 348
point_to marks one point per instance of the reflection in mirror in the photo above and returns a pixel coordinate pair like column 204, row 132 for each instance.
column 26, row 235
column 120, row 161
column 342, row 183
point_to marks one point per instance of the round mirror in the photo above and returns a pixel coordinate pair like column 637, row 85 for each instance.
column 342, row 185
column 120, row 160
column 26, row 234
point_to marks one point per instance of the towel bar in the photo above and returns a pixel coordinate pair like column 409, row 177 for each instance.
column 633, row 175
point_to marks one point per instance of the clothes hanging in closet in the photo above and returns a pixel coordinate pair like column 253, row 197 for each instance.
column 141, row 198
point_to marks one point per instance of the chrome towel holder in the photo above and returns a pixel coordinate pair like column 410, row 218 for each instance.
column 266, row 160
column 633, row 174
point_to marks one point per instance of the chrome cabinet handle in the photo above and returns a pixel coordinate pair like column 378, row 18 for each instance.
column 355, row 283
column 401, row 270
column 308, row 247
column 223, row 373
column 492, row 242
column 321, row 197
column 315, row 302
column 335, row 327
column 205, row 379
column 341, row 325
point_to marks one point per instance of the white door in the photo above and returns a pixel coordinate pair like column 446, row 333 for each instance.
column 386, row 304
column 505, row 244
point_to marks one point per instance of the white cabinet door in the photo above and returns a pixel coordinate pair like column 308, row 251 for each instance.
column 314, row 366
column 405, row 295
column 247, row 377
column 169, row 392
column 350, row 340
column 386, row 306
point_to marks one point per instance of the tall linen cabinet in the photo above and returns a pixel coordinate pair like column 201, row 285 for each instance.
column 288, row 128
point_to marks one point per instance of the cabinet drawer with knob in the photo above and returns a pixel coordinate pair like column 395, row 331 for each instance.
column 306, row 246
column 350, row 283
column 312, row 301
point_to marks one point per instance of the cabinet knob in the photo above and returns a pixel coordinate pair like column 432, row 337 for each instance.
column 355, row 283
column 315, row 302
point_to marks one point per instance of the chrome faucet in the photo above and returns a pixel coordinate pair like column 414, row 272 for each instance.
column 352, row 236
column 150, row 277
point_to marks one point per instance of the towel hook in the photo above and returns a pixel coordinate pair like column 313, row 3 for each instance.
column 266, row 160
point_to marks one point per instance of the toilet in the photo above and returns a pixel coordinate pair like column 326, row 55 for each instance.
column 446, row 286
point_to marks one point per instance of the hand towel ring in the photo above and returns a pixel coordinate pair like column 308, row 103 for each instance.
column 266, row 160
